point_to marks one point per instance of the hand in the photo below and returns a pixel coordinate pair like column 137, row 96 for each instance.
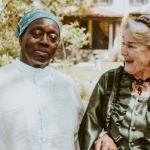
column 105, row 143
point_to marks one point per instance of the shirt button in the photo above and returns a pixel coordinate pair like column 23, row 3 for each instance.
column 139, row 100
column 132, row 144
column 117, row 123
column 133, row 128
column 136, row 113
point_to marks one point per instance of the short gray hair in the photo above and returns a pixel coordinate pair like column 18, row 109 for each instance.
column 140, row 28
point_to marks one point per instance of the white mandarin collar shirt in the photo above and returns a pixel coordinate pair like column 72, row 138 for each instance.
column 39, row 108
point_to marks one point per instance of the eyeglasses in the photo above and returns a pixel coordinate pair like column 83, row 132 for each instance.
column 144, row 19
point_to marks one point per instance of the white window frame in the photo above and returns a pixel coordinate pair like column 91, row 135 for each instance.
column 105, row 2
column 137, row 2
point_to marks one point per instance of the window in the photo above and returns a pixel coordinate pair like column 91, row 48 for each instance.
column 104, row 1
column 100, row 35
column 138, row 2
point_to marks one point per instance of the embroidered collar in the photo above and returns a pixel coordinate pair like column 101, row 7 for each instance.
column 139, row 84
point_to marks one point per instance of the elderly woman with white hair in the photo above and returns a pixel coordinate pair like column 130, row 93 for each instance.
column 118, row 114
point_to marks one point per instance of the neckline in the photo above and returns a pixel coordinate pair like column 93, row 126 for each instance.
column 141, row 81
column 27, row 70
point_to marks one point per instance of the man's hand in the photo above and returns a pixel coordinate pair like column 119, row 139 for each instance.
column 105, row 143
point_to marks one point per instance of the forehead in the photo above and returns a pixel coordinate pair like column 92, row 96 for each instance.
column 128, row 38
column 45, row 24
column 127, row 35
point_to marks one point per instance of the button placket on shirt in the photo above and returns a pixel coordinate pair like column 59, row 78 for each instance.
column 38, row 79
column 132, row 125
column 138, row 100
column 42, row 138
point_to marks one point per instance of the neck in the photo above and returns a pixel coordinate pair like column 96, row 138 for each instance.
column 34, row 64
column 143, row 74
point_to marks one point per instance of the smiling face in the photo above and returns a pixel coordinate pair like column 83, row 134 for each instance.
column 39, row 42
column 136, row 54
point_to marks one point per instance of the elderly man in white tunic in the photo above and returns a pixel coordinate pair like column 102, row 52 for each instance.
column 39, row 106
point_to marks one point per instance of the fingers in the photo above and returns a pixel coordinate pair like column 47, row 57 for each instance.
column 105, row 143
column 98, row 144
column 101, row 145
column 105, row 146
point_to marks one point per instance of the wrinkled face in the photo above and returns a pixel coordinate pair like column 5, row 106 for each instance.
column 39, row 42
column 136, row 55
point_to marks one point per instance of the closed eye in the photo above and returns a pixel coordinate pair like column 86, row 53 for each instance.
column 54, row 38
column 131, row 46
column 36, row 33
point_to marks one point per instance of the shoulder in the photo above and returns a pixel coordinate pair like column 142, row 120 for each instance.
column 111, row 72
column 7, row 73
column 107, row 78
column 65, row 82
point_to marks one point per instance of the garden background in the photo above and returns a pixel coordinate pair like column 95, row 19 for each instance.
column 76, row 55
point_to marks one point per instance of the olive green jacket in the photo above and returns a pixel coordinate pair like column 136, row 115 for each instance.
column 98, row 113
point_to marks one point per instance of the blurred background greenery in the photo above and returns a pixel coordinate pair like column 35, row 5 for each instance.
column 90, row 35
column 73, row 37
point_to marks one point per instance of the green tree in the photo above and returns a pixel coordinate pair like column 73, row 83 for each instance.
column 10, row 14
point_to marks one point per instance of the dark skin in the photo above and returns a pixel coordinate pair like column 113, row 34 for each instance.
column 39, row 42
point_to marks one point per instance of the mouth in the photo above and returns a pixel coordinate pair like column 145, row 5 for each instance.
column 41, row 55
column 129, row 61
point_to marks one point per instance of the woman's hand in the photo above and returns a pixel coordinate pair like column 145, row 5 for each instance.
column 105, row 143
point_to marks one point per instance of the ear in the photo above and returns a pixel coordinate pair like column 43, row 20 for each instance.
column 20, row 40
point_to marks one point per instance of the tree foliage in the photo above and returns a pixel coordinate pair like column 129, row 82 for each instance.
column 74, row 38
column 10, row 14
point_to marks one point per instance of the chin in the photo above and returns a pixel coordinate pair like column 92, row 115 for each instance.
column 39, row 64
column 129, row 70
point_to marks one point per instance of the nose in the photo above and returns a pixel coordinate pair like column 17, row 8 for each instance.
column 124, row 50
column 44, row 41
